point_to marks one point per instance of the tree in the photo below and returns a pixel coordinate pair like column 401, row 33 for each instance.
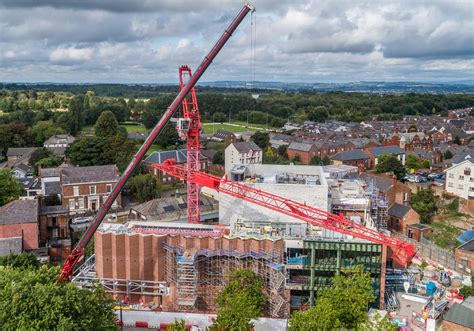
column 6, row 137
column 76, row 111
column 413, row 162
column 315, row 160
column 378, row 323
column 448, row 155
column 144, row 187
column 106, row 125
column 240, row 301
column 177, row 326
column 468, row 291
column 39, row 154
column 20, row 261
column 9, row 187
column 31, row 300
column 43, row 130
column 219, row 117
column 218, row 158
column 51, row 161
column 426, row 164
column 389, row 162
column 424, row 203
column 326, row 160
column 413, row 128
column 168, row 137
column 283, row 151
column 262, row 139
column 343, row 305
column 88, row 151
column 51, row 200
column 457, row 140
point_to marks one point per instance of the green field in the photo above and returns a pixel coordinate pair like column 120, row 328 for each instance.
column 134, row 128
column 153, row 148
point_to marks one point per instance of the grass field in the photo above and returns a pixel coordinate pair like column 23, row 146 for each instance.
column 153, row 148
column 210, row 128
column 134, row 128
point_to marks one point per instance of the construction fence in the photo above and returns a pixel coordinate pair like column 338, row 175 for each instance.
column 428, row 250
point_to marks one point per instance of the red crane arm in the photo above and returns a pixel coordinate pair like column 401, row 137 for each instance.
column 78, row 252
column 403, row 252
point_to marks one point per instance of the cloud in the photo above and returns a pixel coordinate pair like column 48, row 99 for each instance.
column 299, row 40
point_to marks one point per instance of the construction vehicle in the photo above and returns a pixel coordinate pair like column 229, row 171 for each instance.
column 78, row 252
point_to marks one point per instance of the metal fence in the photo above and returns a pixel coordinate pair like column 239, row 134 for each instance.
column 444, row 257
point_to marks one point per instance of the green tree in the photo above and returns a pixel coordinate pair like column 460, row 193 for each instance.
column 424, row 202
column 412, row 162
column 262, row 139
column 457, row 140
column 389, row 162
column 51, row 200
column 218, row 158
column 468, row 291
column 315, row 160
column 6, row 137
column 378, row 323
column 283, row 151
column 240, row 301
column 343, row 305
column 88, row 151
column 219, row 117
column 106, row 125
column 448, row 155
column 20, row 261
column 43, row 130
column 168, row 137
column 177, row 326
column 144, row 187
column 76, row 111
column 426, row 164
column 51, row 161
column 9, row 187
column 326, row 160
column 30, row 300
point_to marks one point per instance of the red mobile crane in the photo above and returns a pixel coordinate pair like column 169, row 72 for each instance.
column 78, row 252
column 402, row 251
column 189, row 128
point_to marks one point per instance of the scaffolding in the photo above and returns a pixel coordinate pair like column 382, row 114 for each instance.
column 378, row 207
column 200, row 275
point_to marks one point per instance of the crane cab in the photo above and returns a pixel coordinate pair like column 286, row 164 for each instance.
column 183, row 127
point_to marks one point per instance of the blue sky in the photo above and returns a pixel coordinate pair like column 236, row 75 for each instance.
column 132, row 41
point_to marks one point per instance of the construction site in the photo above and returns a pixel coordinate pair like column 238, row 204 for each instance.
column 294, row 226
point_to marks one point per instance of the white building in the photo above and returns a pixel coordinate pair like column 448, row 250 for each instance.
column 304, row 184
column 460, row 180
column 242, row 153
column 59, row 140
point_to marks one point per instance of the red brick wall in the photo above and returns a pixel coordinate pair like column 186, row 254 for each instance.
column 84, row 192
column 461, row 256
column 29, row 232
column 449, row 326
column 305, row 157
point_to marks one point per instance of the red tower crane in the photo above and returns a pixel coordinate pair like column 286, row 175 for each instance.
column 78, row 252
column 189, row 128
column 402, row 251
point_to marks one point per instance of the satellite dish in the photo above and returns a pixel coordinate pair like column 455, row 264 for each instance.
column 406, row 286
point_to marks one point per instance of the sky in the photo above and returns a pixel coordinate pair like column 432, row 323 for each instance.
column 144, row 41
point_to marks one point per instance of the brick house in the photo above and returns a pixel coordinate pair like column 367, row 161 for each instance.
column 86, row 188
column 400, row 217
column 304, row 151
column 418, row 231
column 375, row 152
column 464, row 254
column 19, row 155
column 355, row 158
column 19, row 226
column 393, row 190
column 180, row 157
column 460, row 317
column 54, row 231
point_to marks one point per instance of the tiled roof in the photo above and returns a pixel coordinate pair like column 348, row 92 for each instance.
column 399, row 211
column 54, row 210
column 350, row 155
column 300, row 147
column 19, row 212
column 60, row 139
column 179, row 155
column 468, row 246
column 49, row 172
column 461, row 315
column 377, row 151
column 20, row 151
column 59, row 151
column 77, row 175
column 460, row 157
column 223, row 134
column 246, row 146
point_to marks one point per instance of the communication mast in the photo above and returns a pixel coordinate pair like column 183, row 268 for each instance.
column 189, row 128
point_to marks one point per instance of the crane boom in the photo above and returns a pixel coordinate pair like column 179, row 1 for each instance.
column 78, row 252
column 403, row 252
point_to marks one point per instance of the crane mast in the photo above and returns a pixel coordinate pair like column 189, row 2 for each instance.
column 78, row 252
column 189, row 128
column 402, row 251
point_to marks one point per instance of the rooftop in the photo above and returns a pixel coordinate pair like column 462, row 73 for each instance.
column 377, row 151
column 350, row 156
column 160, row 157
column 19, row 212
column 467, row 246
column 20, row 151
column 77, row 175
column 461, row 315
column 304, row 147
column 246, row 146
column 399, row 211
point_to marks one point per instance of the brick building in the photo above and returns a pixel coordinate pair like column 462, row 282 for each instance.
column 355, row 158
column 19, row 220
column 86, row 188
column 54, row 231
column 303, row 151
column 393, row 190
column 400, row 217
column 465, row 254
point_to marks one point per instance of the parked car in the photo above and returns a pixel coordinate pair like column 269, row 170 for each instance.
column 411, row 178
column 434, row 175
column 438, row 182
column 81, row 220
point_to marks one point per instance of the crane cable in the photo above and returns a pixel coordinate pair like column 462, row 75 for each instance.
column 253, row 46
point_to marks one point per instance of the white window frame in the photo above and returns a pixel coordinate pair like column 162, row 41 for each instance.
column 72, row 204
column 81, row 203
column 75, row 191
column 92, row 188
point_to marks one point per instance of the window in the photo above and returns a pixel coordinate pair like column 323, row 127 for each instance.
column 460, row 186
column 467, row 171
column 450, row 185
column 461, row 177
column 72, row 204
column 108, row 187
column 451, row 176
column 75, row 190
column 81, row 203
column 91, row 189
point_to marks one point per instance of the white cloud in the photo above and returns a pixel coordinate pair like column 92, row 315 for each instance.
column 71, row 54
